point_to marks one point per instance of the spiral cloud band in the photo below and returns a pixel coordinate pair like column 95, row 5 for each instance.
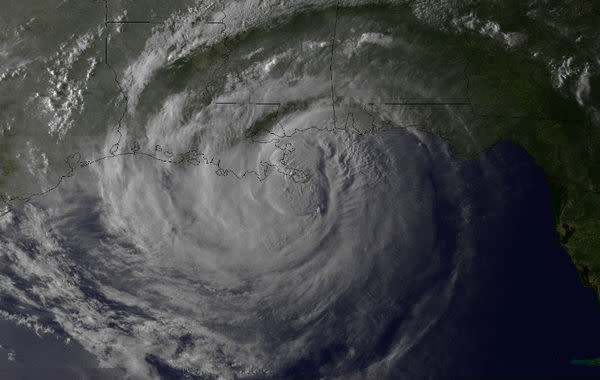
column 266, row 203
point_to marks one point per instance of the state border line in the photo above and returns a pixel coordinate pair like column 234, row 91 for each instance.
column 73, row 161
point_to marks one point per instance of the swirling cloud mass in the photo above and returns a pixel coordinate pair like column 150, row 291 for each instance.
column 256, row 209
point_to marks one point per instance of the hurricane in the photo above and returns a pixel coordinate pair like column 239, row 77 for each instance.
column 258, row 194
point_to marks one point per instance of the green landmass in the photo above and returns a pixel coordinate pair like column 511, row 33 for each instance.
column 586, row 362
column 510, row 92
column 513, row 99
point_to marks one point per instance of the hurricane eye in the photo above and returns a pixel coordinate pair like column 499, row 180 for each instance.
column 304, row 190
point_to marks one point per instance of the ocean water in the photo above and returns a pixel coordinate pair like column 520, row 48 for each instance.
column 247, row 190
column 522, row 313
column 517, row 310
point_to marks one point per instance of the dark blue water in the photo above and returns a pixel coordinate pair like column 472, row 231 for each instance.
column 522, row 312
column 519, row 312
column 46, row 357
